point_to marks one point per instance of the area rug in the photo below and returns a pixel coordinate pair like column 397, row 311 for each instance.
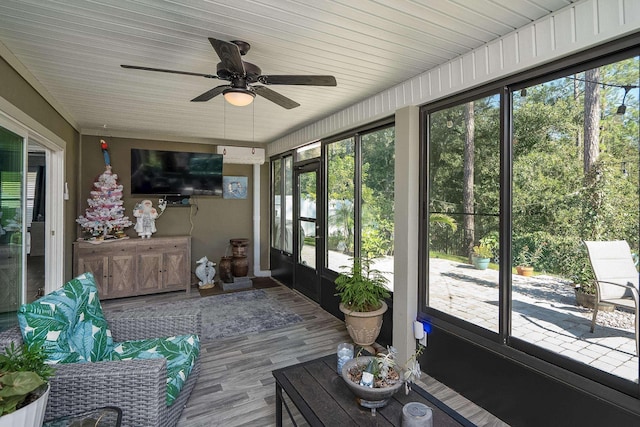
column 229, row 315
column 256, row 283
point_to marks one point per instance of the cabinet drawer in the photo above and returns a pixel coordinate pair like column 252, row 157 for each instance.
column 98, row 250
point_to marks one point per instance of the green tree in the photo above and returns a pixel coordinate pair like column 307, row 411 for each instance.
column 341, row 191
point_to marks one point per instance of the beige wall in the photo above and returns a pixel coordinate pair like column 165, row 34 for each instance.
column 215, row 220
column 15, row 90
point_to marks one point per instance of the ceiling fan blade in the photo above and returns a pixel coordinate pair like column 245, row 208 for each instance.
column 162, row 70
column 298, row 80
column 229, row 54
column 210, row 93
column 275, row 97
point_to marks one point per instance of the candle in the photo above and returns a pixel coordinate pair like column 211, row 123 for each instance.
column 344, row 353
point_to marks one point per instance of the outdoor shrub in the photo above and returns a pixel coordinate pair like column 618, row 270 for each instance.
column 373, row 243
column 564, row 256
column 333, row 241
column 525, row 245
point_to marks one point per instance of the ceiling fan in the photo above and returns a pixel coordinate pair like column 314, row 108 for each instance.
column 242, row 75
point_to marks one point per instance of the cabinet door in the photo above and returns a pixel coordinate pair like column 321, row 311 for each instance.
column 98, row 265
column 175, row 270
column 122, row 275
column 150, row 266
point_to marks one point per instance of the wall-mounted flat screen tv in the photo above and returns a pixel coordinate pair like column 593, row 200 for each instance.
column 175, row 173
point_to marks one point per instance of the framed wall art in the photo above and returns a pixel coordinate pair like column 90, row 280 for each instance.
column 234, row 187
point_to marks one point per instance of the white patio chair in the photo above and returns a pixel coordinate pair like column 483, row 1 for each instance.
column 616, row 277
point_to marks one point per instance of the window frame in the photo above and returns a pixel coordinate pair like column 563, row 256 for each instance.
column 356, row 135
column 545, row 361
column 281, row 159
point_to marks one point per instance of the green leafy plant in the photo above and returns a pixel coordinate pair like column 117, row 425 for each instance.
column 491, row 240
column 583, row 278
column 361, row 288
column 527, row 258
column 443, row 220
column 22, row 371
column 482, row 251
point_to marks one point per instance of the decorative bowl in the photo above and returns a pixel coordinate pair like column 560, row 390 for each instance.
column 368, row 397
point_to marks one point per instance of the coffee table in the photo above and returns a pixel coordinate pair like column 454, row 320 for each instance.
column 108, row 416
column 323, row 399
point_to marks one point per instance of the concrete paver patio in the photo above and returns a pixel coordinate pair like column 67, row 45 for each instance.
column 544, row 313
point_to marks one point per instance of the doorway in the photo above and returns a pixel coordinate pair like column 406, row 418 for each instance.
column 35, row 221
column 31, row 215
column 307, row 226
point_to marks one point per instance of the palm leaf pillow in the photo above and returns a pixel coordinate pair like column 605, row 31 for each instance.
column 68, row 323
column 180, row 352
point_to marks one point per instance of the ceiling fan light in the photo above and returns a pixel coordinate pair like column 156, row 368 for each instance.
column 239, row 97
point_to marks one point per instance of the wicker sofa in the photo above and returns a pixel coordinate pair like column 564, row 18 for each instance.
column 137, row 387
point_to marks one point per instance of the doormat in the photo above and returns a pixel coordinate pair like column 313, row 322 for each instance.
column 228, row 315
column 256, row 283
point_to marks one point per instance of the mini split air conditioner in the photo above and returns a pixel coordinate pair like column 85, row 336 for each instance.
column 242, row 155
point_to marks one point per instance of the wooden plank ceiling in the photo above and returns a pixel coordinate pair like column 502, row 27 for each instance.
column 74, row 48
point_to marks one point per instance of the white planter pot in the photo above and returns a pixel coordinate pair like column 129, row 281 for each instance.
column 364, row 327
column 31, row 415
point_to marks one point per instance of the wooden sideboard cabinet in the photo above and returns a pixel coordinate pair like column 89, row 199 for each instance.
column 129, row 267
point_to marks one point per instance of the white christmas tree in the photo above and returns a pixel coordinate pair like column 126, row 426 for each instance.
column 105, row 214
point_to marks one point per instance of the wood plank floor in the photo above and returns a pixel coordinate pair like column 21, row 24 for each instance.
column 236, row 388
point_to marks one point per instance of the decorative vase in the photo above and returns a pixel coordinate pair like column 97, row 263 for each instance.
column 368, row 397
column 480, row 263
column 524, row 271
column 239, row 247
column 239, row 266
column 31, row 415
column 224, row 269
column 363, row 327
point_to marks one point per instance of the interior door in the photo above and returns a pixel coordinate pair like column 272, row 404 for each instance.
column 307, row 228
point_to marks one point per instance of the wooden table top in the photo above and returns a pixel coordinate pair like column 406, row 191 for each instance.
column 323, row 398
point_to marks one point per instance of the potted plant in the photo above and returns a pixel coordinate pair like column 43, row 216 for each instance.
column 24, row 388
column 585, row 288
column 481, row 256
column 526, row 260
column 362, row 291
column 375, row 379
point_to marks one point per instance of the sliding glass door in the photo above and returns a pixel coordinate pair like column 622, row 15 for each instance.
column 12, row 163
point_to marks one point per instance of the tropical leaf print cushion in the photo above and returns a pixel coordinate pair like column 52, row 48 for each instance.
column 68, row 323
column 180, row 351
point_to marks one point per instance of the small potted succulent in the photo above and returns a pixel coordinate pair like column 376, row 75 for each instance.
column 362, row 291
column 24, row 387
